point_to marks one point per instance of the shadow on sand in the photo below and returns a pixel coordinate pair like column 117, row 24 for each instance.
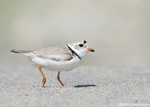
column 85, row 86
column 76, row 86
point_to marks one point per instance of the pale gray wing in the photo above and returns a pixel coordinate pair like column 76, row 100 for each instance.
column 60, row 53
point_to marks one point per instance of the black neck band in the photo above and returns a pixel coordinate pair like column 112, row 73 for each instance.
column 74, row 52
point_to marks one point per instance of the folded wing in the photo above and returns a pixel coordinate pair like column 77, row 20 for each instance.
column 55, row 53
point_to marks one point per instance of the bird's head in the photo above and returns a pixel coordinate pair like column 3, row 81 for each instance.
column 81, row 48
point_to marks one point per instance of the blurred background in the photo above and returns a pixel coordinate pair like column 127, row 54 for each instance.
column 118, row 30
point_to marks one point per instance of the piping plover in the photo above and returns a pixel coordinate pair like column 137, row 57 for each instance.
column 57, row 58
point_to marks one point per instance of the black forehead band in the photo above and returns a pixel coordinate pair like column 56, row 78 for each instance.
column 84, row 42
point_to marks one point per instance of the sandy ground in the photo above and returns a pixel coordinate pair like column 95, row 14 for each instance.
column 20, row 86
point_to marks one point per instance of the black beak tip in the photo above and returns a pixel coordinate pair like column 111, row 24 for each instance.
column 92, row 50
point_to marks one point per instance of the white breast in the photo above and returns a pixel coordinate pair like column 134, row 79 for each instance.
column 56, row 65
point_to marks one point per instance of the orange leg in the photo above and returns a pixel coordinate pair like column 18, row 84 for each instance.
column 58, row 78
column 44, row 78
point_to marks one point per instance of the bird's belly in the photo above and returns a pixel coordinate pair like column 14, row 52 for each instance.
column 56, row 65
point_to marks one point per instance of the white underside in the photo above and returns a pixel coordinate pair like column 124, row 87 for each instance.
column 55, row 65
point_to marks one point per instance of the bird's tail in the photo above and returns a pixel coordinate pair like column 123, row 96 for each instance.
column 20, row 51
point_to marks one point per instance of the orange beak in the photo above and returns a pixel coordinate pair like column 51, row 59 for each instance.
column 90, row 50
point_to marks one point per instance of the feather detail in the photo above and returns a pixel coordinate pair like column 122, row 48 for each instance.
column 20, row 51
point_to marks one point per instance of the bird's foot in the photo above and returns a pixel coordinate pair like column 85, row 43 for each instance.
column 44, row 81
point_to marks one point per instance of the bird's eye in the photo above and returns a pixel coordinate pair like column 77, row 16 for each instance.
column 81, row 45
